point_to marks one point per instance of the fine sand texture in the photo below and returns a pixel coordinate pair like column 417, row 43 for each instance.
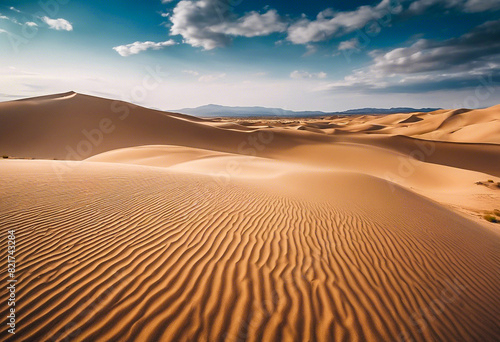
column 155, row 226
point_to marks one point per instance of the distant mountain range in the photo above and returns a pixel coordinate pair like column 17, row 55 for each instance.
column 225, row 111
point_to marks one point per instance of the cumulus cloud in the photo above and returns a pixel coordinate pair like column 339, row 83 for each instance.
column 420, row 6
column 191, row 72
column 481, row 5
column 330, row 23
column 365, row 82
column 12, row 8
column 462, row 53
column 15, row 21
column 302, row 75
column 321, row 74
column 58, row 24
column 349, row 44
column 431, row 65
column 136, row 47
column 211, row 23
column 252, row 24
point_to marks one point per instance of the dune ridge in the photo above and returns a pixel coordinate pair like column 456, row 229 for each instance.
column 55, row 126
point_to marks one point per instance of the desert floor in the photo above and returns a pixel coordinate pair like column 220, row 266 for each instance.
column 138, row 225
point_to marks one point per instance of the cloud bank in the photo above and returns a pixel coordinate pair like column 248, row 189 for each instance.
column 211, row 23
column 58, row 24
column 431, row 65
column 137, row 47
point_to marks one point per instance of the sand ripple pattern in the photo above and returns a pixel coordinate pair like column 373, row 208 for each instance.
column 163, row 256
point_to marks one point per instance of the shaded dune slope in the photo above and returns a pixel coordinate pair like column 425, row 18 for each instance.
column 66, row 128
column 52, row 127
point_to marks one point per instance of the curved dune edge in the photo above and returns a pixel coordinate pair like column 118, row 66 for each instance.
column 454, row 187
column 118, row 252
column 82, row 126
column 156, row 155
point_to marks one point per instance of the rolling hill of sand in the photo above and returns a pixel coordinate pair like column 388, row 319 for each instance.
column 155, row 226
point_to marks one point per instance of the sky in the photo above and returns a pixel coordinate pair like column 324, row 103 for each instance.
column 297, row 55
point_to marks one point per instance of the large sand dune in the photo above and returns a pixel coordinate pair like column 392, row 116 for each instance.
column 179, row 229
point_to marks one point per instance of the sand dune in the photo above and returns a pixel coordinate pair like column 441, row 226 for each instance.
column 172, row 228
column 146, row 254
column 442, row 125
column 158, row 155
column 75, row 127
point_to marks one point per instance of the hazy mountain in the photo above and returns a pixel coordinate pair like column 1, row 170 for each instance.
column 212, row 110
column 387, row 110
column 216, row 110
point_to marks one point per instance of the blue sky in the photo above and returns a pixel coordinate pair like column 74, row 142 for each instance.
column 300, row 55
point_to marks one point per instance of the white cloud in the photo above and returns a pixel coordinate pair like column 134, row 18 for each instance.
column 14, row 20
column 329, row 23
column 481, row 5
column 211, row 23
column 3, row 31
column 58, row 24
column 211, row 78
column 191, row 72
column 135, row 48
column 252, row 24
column 311, row 50
column 14, row 9
column 349, row 44
column 430, row 65
column 29, row 23
column 321, row 74
column 359, row 80
column 420, row 6
column 301, row 75
column 476, row 48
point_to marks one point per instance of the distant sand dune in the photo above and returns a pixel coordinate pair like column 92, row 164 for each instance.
column 157, row 155
column 64, row 127
column 412, row 118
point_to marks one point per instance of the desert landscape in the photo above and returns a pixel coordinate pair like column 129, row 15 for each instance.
column 134, row 224
column 261, row 171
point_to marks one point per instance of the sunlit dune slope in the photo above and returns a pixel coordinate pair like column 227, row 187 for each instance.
column 133, row 253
